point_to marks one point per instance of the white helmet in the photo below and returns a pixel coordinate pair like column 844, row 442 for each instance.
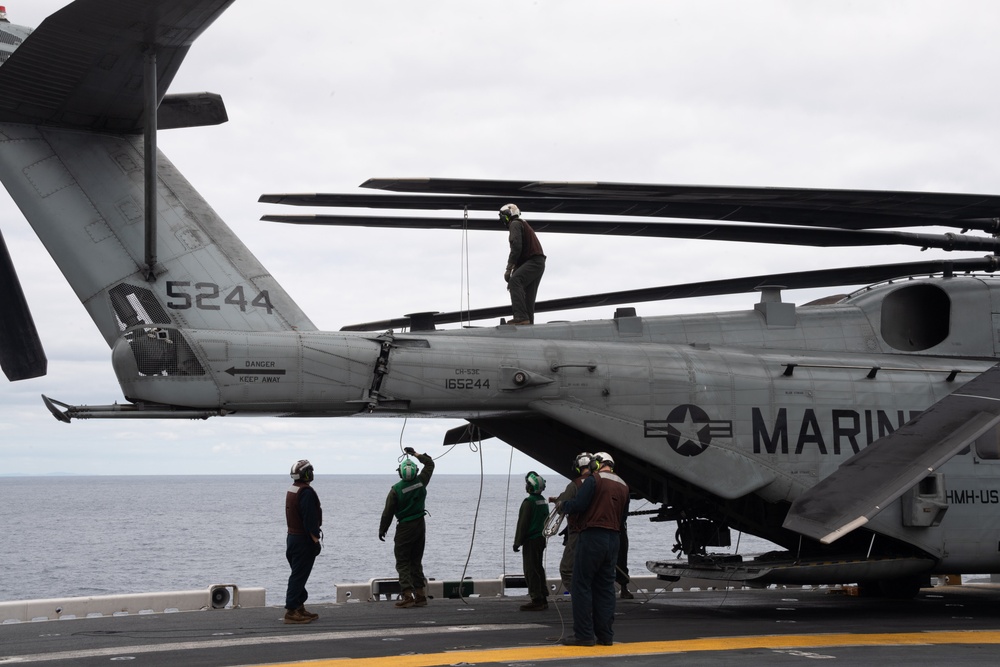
column 302, row 471
column 603, row 459
column 582, row 462
column 508, row 213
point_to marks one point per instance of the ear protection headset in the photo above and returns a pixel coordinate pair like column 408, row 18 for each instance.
column 602, row 459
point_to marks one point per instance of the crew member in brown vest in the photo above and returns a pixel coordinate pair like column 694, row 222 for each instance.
column 602, row 502
column 525, row 265
column 581, row 466
column 304, row 517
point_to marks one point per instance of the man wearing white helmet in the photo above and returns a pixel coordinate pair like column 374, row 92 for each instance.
column 525, row 265
column 581, row 466
column 601, row 502
column 304, row 516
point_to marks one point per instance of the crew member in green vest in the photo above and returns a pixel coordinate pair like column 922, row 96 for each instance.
column 406, row 503
column 528, row 534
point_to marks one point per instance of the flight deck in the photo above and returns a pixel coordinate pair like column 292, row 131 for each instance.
column 942, row 625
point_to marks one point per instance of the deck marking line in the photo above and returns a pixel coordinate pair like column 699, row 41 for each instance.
column 257, row 641
column 557, row 652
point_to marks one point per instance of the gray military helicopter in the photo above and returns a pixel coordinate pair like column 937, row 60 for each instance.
column 858, row 433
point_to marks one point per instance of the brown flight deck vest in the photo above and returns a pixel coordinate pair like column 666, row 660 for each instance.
column 609, row 502
column 530, row 245
column 292, row 516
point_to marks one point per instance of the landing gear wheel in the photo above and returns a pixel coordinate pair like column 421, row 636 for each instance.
column 904, row 588
column 869, row 589
column 901, row 588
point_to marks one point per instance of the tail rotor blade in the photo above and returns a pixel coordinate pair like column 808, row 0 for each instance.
column 21, row 353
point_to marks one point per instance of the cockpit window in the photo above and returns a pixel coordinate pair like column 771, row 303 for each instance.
column 988, row 445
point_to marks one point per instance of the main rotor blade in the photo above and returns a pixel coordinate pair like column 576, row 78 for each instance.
column 858, row 275
column 21, row 353
column 809, row 236
column 811, row 206
column 721, row 210
column 569, row 205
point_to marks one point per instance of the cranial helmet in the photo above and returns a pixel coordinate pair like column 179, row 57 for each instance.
column 582, row 462
column 508, row 213
column 603, row 459
column 534, row 483
column 407, row 470
column 302, row 471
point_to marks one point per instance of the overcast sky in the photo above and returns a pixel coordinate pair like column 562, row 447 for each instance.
column 324, row 94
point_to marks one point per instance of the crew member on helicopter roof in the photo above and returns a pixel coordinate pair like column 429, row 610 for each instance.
column 406, row 502
column 525, row 265
column 530, row 523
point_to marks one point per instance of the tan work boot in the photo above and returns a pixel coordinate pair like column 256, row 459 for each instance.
column 419, row 598
column 307, row 614
column 535, row 605
column 293, row 616
column 406, row 600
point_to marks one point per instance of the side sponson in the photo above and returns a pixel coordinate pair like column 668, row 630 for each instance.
column 869, row 481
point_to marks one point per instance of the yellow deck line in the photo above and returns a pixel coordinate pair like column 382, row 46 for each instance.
column 556, row 652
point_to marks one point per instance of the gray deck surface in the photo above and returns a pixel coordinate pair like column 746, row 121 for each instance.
column 953, row 625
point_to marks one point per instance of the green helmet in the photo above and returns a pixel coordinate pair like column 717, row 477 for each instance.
column 408, row 470
column 534, row 483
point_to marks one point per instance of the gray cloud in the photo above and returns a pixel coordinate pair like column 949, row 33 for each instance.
column 322, row 95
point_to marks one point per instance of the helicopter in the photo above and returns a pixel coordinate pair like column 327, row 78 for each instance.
column 859, row 433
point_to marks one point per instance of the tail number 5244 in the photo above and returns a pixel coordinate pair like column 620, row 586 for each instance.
column 208, row 296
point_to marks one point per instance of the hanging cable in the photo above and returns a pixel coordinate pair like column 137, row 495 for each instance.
column 556, row 601
column 401, row 431
column 464, row 296
column 506, row 507
column 475, row 521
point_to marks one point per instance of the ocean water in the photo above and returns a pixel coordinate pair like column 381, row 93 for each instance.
column 81, row 536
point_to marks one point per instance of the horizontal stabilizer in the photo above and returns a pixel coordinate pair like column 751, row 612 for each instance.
column 870, row 480
column 461, row 435
column 190, row 110
column 79, row 69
